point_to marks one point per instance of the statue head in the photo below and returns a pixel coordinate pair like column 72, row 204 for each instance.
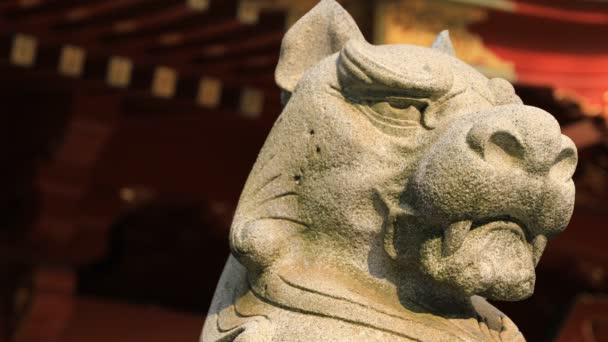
column 400, row 165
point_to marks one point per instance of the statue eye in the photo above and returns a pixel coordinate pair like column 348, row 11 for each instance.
column 394, row 115
column 399, row 111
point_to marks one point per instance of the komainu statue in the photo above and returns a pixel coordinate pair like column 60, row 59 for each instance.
column 397, row 190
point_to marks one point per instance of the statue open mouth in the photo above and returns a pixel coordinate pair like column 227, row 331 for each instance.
column 456, row 233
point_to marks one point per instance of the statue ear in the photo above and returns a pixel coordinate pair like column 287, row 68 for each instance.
column 443, row 43
column 321, row 32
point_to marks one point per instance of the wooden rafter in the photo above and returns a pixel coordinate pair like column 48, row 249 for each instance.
column 11, row 5
column 213, row 30
column 90, row 33
column 30, row 9
column 171, row 39
column 158, row 39
column 267, row 59
column 8, row 5
column 128, row 29
column 76, row 14
column 237, row 46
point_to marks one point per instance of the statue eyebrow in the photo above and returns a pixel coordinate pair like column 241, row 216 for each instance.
column 366, row 76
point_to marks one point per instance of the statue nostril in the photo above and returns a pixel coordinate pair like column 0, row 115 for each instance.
column 508, row 143
column 496, row 147
column 504, row 148
column 564, row 165
column 496, row 138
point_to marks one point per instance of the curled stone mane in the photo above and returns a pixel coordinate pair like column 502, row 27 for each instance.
column 396, row 190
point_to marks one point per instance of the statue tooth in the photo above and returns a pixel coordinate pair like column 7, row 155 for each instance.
column 454, row 236
column 538, row 246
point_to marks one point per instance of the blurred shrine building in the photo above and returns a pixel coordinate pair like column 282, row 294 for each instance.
column 130, row 126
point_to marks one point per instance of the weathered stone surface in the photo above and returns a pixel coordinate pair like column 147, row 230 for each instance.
column 397, row 189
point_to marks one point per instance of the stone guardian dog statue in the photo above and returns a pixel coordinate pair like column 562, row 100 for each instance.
column 397, row 189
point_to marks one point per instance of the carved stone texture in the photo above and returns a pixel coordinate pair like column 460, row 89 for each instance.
column 398, row 188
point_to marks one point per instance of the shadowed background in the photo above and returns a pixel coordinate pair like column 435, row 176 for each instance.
column 128, row 128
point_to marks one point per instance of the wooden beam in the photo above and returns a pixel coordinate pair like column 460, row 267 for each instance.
column 83, row 13
column 92, row 63
column 266, row 60
column 10, row 5
column 221, row 50
column 97, row 67
column 75, row 14
column 214, row 30
column 261, row 78
column 38, row 8
column 173, row 38
column 217, row 20
column 127, row 28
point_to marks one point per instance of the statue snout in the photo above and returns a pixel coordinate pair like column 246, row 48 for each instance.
column 523, row 137
column 511, row 162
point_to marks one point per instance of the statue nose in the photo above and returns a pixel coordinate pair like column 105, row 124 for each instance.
column 526, row 138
